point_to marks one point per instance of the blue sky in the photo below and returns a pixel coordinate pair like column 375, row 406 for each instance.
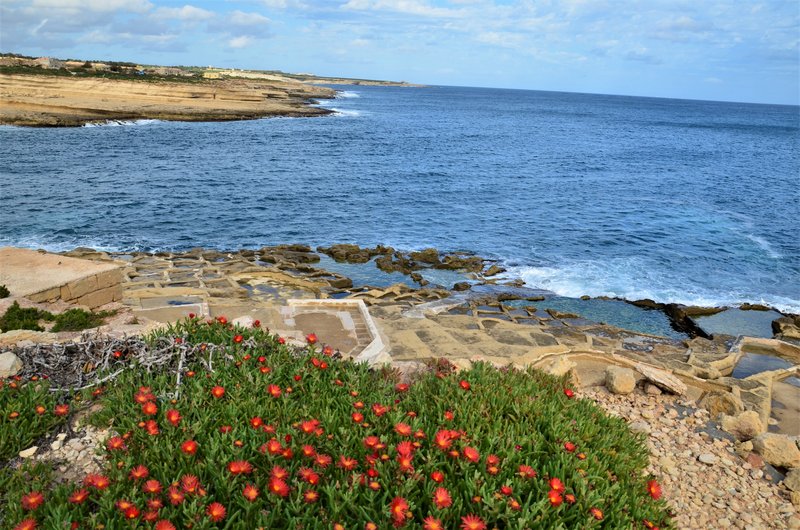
column 733, row 50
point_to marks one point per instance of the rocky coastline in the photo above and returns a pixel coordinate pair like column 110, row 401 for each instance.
column 700, row 416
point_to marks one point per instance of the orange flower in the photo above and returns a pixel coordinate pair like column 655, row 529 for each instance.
column 437, row 476
column 309, row 426
column 597, row 513
column 190, row 483
column 379, row 410
column 98, row 482
column 557, row 485
column 149, row 409
column 448, row 415
column 278, row 487
column 441, row 498
column 32, row 500
column 432, row 523
column 442, row 440
column 526, row 471
column 250, row 492
column 401, row 387
column 402, row 429
column 144, row 395
column 514, row 505
column 61, row 410
column 189, row 447
column 151, row 427
column 399, row 510
column 310, row 496
column 406, row 463
column 308, row 475
column 654, row 489
column 217, row 392
column 322, row 460
column 239, row 467
column 40, row 410
column 371, row 442
column 123, row 504
column 216, row 512
column 471, row 454
column 464, row 384
column 174, row 417
column 79, row 496
column 26, row 524
column 164, row 525
column 472, row 522
column 279, row 473
column 155, row 504
column 152, row 486
column 555, row 498
column 115, row 443
column 139, row 472
column 274, row 391
column 175, row 495
column 347, row 463
column 311, row 338
column 327, row 350
column 570, row 498
column 357, row 417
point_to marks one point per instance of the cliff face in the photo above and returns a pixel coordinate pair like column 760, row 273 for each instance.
column 43, row 100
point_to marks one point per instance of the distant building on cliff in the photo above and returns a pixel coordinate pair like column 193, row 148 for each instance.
column 49, row 63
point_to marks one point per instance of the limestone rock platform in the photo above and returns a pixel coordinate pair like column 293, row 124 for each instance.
column 43, row 277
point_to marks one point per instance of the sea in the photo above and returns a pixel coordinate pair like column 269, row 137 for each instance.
column 694, row 202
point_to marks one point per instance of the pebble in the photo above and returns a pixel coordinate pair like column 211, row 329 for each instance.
column 29, row 452
column 707, row 458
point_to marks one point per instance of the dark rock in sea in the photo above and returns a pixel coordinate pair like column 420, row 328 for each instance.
column 753, row 307
column 646, row 303
column 586, row 297
column 428, row 255
column 787, row 327
column 682, row 318
column 347, row 253
column 462, row 286
column 396, row 262
column 461, row 262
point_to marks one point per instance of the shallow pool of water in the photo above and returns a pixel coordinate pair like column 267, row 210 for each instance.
column 737, row 322
column 755, row 363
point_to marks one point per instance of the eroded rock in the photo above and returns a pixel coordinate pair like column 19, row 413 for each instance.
column 746, row 426
column 725, row 403
column 662, row 379
column 620, row 380
column 778, row 450
column 10, row 365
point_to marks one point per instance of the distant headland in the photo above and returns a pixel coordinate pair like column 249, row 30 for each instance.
column 49, row 92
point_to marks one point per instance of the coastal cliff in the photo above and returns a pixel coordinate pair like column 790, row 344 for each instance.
column 50, row 100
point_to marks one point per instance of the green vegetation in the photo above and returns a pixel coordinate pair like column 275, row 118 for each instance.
column 4, row 292
column 71, row 320
column 84, row 73
column 28, row 318
column 27, row 412
column 274, row 437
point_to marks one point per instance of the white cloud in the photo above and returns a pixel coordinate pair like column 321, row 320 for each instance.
column 240, row 18
column 408, row 7
column 187, row 13
column 241, row 41
column 132, row 6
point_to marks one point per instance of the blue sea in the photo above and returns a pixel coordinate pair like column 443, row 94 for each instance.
column 694, row 202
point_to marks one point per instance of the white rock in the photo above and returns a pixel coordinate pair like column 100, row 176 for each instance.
column 707, row 458
column 29, row 452
column 662, row 379
column 620, row 380
column 10, row 364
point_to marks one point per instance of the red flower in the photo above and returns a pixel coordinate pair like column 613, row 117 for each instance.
column 448, row 415
column 115, row 443
column 597, row 513
column 464, row 384
column 309, row 426
column 222, row 320
column 557, row 485
column 149, row 409
column 274, row 391
column 570, row 498
column 216, row 512
column 98, row 482
column 399, row 509
column 237, row 339
column 569, row 393
column 441, row 498
column 164, row 525
column 492, row 460
column 405, row 448
column 347, row 463
column 403, row 429
column 61, row 410
column 151, row 427
column 238, row 467
column 654, row 489
column 379, row 410
column 506, row 490
column 432, row 523
column 32, row 500
column 472, row 522
column 79, row 496
column 190, row 483
column 225, row 429
column 250, row 492
column 189, row 447
column 257, row 324
column 442, row 440
column 322, row 460
column 308, row 475
column 217, row 392
column 26, row 524
column 569, row 447
column 401, row 387
column 406, row 463
column 471, row 454
column 144, row 395
column 357, row 417
column 155, row 504
column 132, row 513
column 327, row 350
column 175, row 495
column 278, row 472
column 152, row 486
column 278, row 487
column 526, row 471
column 174, row 417
column 311, row 338
column 555, row 498
column 310, row 496
column 139, row 472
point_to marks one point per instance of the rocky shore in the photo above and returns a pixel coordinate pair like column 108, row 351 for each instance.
column 66, row 101
column 724, row 446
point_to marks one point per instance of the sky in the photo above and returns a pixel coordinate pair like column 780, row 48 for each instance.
column 728, row 50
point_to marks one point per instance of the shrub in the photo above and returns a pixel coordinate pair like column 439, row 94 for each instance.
column 4, row 292
column 78, row 320
column 16, row 317
column 279, row 438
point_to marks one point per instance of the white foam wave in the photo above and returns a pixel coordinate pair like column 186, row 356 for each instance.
column 121, row 123
column 626, row 279
column 346, row 112
column 347, row 94
column 764, row 244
